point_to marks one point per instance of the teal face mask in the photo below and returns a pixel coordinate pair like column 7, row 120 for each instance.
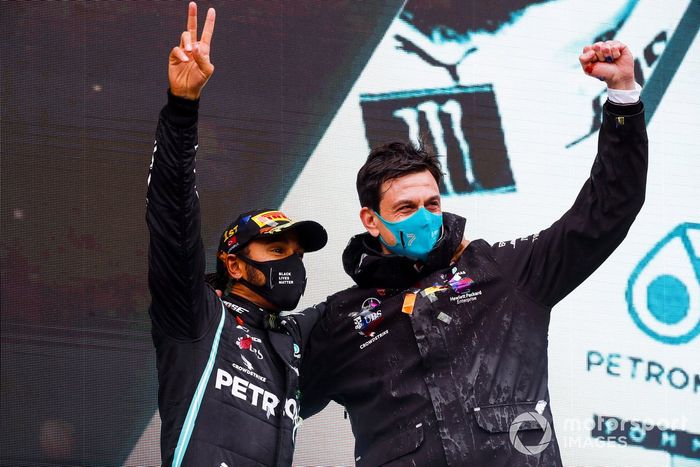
column 416, row 235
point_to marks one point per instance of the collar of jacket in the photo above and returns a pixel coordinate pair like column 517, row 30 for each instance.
column 250, row 313
column 364, row 261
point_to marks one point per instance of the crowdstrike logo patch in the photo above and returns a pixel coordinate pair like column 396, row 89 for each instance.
column 247, row 363
column 249, row 370
column 364, row 345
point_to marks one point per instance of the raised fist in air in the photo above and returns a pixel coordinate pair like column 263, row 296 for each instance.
column 609, row 61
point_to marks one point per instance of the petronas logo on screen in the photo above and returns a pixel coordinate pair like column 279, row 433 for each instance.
column 663, row 292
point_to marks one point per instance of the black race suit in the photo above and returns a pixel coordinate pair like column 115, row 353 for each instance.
column 227, row 370
column 441, row 383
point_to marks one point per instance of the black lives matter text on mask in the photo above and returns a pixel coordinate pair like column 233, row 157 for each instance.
column 285, row 278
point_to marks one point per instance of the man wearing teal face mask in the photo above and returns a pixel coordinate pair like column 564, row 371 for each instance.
column 442, row 344
column 415, row 236
column 412, row 221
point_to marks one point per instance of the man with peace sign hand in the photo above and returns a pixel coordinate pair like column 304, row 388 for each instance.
column 227, row 366
column 189, row 64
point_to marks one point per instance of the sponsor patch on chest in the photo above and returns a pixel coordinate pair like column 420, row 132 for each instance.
column 463, row 286
column 467, row 297
column 367, row 320
column 248, row 343
column 256, row 396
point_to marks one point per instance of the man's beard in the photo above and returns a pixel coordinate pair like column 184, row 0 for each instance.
column 254, row 276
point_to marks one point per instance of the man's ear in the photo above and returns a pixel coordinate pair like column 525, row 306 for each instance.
column 370, row 221
column 234, row 267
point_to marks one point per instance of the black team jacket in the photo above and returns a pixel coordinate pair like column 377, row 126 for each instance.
column 227, row 369
column 434, row 364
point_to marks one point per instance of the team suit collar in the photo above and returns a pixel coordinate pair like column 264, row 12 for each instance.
column 369, row 267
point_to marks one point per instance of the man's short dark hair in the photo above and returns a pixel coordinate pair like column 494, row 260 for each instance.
column 390, row 161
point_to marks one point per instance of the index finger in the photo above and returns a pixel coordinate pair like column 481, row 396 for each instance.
column 208, row 30
column 587, row 57
column 192, row 21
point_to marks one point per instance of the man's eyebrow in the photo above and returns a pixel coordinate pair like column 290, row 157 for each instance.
column 410, row 202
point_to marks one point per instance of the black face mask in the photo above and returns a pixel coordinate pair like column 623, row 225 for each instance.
column 285, row 280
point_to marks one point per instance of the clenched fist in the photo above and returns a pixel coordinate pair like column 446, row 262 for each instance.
column 189, row 65
column 609, row 61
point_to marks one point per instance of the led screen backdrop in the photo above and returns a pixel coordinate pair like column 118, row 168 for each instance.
column 301, row 92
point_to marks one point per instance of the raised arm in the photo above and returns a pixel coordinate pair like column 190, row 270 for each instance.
column 176, row 255
column 549, row 265
column 189, row 64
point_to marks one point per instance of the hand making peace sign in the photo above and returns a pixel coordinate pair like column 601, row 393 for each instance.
column 189, row 66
